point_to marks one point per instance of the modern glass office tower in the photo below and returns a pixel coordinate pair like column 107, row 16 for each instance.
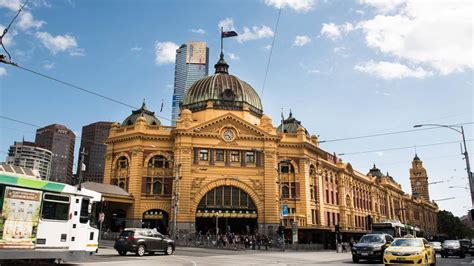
column 192, row 63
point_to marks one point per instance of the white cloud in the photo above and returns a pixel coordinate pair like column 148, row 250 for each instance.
column 26, row 21
column 301, row 40
column 13, row 5
column 342, row 51
column 233, row 56
column 360, row 12
column 389, row 70
column 255, row 33
column 334, row 32
column 297, row 5
column 267, row 47
column 3, row 71
column 437, row 34
column 226, row 24
column 165, row 52
column 60, row 43
column 383, row 6
column 198, row 31
column 48, row 65
column 135, row 49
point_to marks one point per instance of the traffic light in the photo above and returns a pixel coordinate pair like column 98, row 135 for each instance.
column 281, row 230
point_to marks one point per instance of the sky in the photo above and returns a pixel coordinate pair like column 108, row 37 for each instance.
column 344, row 68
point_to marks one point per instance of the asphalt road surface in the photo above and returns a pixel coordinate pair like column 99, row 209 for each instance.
column 201, row 256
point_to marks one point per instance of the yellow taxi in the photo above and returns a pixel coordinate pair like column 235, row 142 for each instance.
column 409, row 250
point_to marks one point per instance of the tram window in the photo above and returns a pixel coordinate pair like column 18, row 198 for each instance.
column 84, row 215
column 94, row 217
column 55, row 207
column 2, row 195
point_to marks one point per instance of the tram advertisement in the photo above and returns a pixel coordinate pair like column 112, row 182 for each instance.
column 19, row 218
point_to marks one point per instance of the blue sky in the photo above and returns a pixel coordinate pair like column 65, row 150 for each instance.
column 345, row 68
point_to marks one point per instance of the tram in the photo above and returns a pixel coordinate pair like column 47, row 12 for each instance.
column 42, row 220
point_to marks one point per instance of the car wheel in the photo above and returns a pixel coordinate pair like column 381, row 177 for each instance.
column 355, row 259
column 141, row 250
column 169, row 250
column 122, row 252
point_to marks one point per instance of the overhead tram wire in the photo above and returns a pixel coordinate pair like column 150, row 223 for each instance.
column 82, row 89
column 271, row 51
column 389, row 133
column 5, row 31
column 36, row 126
column 401, row 148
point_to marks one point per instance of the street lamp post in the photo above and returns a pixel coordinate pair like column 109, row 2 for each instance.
column 465, row 153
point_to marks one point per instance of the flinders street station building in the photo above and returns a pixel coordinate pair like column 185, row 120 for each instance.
column 226, row 164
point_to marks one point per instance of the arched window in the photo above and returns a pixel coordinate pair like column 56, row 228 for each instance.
column 158, row 161
column 157, row 186
column 122, row 184
column 122, row 163
column 285, row 192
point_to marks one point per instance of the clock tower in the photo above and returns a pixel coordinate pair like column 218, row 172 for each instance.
column 419, row 179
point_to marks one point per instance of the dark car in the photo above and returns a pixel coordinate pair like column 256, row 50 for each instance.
column 371, row 247
column 465, row 244
column 471, row 248
column 452, row 248
column 141, row 241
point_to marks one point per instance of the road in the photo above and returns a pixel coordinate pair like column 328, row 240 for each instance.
column 200, row 256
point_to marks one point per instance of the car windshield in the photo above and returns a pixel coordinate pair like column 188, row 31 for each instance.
column 451, row 242
column 127, row 233
column 464, row 242
column 371, row 239
column 407, row 243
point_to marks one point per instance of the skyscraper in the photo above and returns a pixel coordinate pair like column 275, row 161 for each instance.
column 192, row 63
column 30, row 155
column 93, row 142
column 60, row 141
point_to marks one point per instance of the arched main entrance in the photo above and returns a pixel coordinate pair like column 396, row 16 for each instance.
column 156, row 219
column 229, row 208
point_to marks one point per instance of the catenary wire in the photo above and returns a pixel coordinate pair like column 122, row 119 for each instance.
column 389, row 133
column 401, row 148
column 271, row 51
column 82, row 89
column 5, row 31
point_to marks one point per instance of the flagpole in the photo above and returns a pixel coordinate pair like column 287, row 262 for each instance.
column 222, row 45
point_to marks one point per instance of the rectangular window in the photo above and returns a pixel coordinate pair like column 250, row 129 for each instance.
column 220, row 155
column 313, row 218
column 250, row 157
column 332, row 197
column 55, row 207
column 333, row 218
column 203, row 155
column 327, row 196
column 328, row 218
column 234, row 156
column 84, row 214
column 148, row 185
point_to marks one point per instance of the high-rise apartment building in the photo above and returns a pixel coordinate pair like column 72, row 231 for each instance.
column 192, row 63
column 30, row 155
column 60, row 141
column 93, row 143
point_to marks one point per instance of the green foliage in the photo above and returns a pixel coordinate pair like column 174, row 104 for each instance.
column 453, row 226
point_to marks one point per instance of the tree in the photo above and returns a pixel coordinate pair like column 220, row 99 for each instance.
column 452, row 226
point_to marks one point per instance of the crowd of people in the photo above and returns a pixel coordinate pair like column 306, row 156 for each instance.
column 235, row 241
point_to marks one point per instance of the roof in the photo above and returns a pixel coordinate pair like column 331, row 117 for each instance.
column 149, row 116
column 225, row 91
column 105, row 189
column 291, row 125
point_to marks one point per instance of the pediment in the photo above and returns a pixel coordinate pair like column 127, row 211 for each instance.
column 242, row 127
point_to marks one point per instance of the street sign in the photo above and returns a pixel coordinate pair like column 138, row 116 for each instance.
column 284, row 210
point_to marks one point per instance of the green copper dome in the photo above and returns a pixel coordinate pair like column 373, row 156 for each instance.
column 149, row 116
column 224, row 91
column 290, row 125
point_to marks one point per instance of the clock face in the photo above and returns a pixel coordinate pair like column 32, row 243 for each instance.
column 418, row 183
column 228, row 135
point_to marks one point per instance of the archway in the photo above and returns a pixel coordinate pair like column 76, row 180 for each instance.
column 118, row 220
column 228, row 208
column 156, row 218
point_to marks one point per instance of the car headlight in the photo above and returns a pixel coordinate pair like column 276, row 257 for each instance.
column 388, row 252
column 416, row 253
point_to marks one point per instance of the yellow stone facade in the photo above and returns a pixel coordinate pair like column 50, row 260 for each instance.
column 213, row 147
